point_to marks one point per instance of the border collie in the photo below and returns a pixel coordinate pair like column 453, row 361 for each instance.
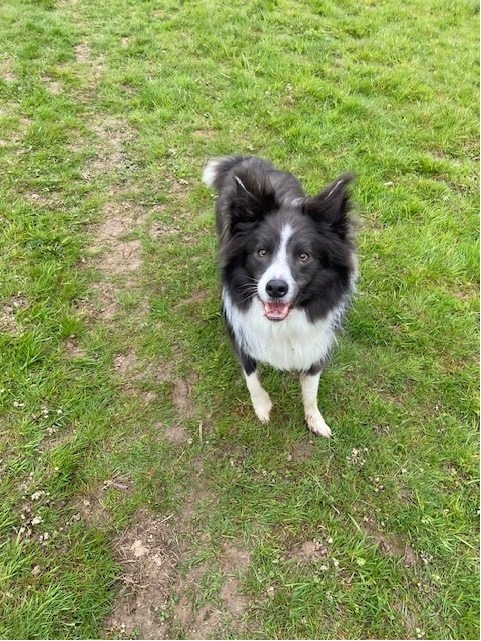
column 288, row 268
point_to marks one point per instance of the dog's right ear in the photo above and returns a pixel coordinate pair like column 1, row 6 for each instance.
column 253, row 198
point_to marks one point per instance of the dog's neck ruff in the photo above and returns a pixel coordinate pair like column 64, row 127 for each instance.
column 293, row 344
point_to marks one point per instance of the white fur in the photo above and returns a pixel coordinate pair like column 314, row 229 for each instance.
column 211, row 171
column 314, row 420
column 260, row 398
column 293, row 344
column 279, row 269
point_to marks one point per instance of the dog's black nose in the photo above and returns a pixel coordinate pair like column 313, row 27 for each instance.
column 277, row 288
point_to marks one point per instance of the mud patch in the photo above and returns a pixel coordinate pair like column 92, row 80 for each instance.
column 302, row 451
column 149, row 551
column 92, row 506
column 182, row 396
column 46, row 198
column 212, row 620
column 121, row 255
column 309, row 551
column 73, row 349
column 152, row 587
column 159, row 230
column 83, row 54
column 85, row 57
column 113, row 228
column 8, row 315
column 195, row 299
column 122, row 259
column 107, row 305
column 92, row 510
column 175, row 434
column 116, row 255
column 205, row 134
column 126, row 363
column 235, row 562
column 127, row 213
column 195, row 623
column 390, row 544
column 111, row 158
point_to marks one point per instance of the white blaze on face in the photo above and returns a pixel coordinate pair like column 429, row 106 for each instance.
column 278, row 269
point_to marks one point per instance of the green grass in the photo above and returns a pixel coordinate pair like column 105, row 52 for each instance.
column 108, row 113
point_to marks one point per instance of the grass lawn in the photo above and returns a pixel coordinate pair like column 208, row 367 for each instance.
column 139, row 495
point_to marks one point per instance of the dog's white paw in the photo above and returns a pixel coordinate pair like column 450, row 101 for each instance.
column 318, row 425
column 262, row 406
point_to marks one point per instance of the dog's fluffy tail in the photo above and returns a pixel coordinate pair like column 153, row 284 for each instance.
column 217, row 169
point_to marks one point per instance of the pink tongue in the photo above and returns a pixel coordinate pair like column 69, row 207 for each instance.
column 276, row 311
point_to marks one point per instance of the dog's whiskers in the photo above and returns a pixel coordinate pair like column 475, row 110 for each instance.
column 249, row 290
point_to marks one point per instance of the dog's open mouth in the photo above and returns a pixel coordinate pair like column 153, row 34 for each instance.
column 276, row 311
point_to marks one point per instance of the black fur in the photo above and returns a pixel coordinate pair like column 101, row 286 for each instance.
column 255, row 201
column 288, row 270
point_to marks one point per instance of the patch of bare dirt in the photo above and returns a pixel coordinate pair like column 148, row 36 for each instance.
column 85, row 57
column 112, row 136
column 106, row 305
column 390, row 544
column 83, row 53
column 121, row 255
column 179, row 186
column 182, row 395
column 113, row 228
column 126, row 212
column 116, row 255
column 52, row 86
column 159, row 229
column 309, row 551
column 150, row 551
column 195, row 623
column 195, row 299
column 175, row 434
column 206, row 134
column 131, row 368
column 8, row 314
column 122, row 259
column 126, row 363
column 302, row 451
column 45, row 198
column 73, row 349
column 153, row 588
column 210, row 620
column 235, row 562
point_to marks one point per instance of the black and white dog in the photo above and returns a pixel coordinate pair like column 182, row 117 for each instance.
column 288, row 268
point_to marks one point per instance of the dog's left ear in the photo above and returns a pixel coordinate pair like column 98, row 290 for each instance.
column 332, row 205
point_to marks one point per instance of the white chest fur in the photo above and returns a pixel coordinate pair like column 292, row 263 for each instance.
column 293, row 344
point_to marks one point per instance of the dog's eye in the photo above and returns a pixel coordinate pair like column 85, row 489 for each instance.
column 303, row 257
column 262, row 252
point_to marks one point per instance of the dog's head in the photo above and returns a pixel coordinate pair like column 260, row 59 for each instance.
column 289, row 251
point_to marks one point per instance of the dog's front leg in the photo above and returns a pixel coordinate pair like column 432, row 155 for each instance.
column 314, row 420
column 260, row 398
